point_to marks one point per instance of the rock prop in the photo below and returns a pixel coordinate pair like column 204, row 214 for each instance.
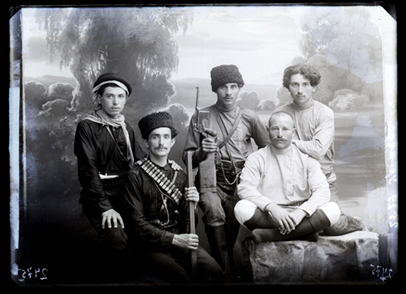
column 332, row 259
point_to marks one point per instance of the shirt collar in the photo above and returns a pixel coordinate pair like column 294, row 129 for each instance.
column 307, row 105
column 281, row 151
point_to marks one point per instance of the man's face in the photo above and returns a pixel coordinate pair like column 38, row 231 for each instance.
column 160, row 142
column 300, row 89
column 112, row 101
column 281, row 130
column 227, row 94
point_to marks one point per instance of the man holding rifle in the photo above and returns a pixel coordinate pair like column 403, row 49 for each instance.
column 157, row 200
column 227, row 135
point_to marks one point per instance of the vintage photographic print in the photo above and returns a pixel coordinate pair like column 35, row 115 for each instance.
column 203, row 145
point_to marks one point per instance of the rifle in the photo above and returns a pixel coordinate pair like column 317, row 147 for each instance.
column 192, row 225
column 207, row 167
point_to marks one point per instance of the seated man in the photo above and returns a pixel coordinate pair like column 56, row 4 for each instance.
column 284, row 193
column 156, row 196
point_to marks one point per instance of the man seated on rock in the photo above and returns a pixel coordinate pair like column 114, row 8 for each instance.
column 284, row 193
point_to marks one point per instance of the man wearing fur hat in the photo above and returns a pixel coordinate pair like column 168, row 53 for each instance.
column 106, row 149
column 157, row 204
column 235, row 127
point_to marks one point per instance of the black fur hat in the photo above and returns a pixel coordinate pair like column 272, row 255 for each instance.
column 156, row 120
column 224, row 74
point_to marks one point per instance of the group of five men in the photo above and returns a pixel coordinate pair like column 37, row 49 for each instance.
column 285, row 190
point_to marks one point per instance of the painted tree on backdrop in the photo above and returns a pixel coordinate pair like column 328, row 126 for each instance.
column 136, row 42
column 248, row 100
column 345, row 46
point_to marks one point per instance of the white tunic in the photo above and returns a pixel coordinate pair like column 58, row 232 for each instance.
column 284, row 177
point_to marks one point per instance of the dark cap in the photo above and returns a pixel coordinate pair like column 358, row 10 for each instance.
column 112, row 77
column 156, row 120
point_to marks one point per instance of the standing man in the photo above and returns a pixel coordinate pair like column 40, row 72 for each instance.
column 235, row 127
column 157, row 207
column 314, row 123
column 106, row 148
column 284, row 193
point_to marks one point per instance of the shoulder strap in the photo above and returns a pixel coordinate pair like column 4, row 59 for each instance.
column 160, row 179
column 233, row 128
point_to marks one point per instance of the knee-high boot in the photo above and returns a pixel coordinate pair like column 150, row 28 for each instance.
column 218, row 245
column 309, row 225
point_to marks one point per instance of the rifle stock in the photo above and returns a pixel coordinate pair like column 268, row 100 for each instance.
column 207, row 179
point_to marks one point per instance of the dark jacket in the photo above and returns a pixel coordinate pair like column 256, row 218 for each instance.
column 144, row 207
column 97, row 152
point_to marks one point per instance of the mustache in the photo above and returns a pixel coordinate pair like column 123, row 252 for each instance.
column 160, row 147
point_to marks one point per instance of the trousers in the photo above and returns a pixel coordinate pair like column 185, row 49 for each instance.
column 174, row 266
column 113, row 239
column 245, row 210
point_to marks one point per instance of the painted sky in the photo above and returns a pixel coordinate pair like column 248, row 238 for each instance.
column 260, row 40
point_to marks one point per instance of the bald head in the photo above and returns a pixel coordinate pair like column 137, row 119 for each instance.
column 281, row 114
column 281, row 129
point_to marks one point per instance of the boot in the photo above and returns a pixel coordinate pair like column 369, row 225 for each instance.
column 218, row 245
column 308, row 228
column 345, row 224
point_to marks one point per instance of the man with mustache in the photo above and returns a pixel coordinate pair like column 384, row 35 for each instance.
column 235, row 127
column 284, row 193
column 157, row 208
column 314, row 134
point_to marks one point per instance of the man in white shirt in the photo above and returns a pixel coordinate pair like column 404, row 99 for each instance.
column 284, row 193
column 314, row 134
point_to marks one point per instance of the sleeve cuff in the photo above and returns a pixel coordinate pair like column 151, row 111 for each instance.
column 308, row 208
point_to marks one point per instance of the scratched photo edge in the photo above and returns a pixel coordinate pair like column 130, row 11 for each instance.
column 18, row 174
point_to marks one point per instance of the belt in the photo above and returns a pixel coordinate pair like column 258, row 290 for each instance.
column 294, row 203
column 228, row 164
column 109, row 176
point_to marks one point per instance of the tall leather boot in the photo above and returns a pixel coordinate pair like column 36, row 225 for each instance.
column 309, row 225
column 218, row 245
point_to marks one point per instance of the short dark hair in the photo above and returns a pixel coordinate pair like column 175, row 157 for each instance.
column 308, row 71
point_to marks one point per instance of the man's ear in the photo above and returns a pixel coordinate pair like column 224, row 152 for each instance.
column 173, row 140
column 145, row 141
column 98, row 98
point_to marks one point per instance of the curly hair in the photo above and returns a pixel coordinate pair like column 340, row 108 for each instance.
column 308, row 71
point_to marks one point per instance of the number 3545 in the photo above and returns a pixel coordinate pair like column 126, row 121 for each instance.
column 33, row 273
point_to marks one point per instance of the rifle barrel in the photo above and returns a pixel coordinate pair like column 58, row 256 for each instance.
column 197, row 97
column 192, row 224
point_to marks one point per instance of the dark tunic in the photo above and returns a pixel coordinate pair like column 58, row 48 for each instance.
column 154, row 223
column 97, row 152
